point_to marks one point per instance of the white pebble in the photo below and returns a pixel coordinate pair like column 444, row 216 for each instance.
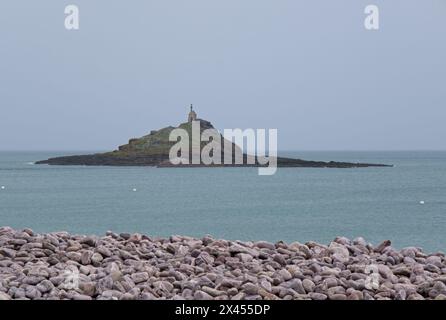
column 421, row 202
column 134, row 189
column 3, row 187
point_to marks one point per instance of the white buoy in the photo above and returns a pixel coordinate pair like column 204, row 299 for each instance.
column 421, row 202
column 134, row 189
column 3, row 187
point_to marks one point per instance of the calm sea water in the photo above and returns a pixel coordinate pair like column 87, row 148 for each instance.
column 235, row 203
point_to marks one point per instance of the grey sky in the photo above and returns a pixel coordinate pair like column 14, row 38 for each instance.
column 308, row 68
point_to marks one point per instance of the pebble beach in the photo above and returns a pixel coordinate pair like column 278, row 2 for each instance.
column 63, row 266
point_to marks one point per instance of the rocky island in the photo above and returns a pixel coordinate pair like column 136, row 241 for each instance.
column 63, row 266
column 153, row 150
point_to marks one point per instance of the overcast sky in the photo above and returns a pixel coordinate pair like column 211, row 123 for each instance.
column 308, row 68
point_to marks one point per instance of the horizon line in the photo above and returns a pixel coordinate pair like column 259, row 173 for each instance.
column 282, row 150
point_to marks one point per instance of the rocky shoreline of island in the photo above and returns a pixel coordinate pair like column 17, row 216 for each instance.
column 162, row 161
column 128, row 266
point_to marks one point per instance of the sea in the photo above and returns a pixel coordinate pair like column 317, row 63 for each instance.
column 405, row 203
